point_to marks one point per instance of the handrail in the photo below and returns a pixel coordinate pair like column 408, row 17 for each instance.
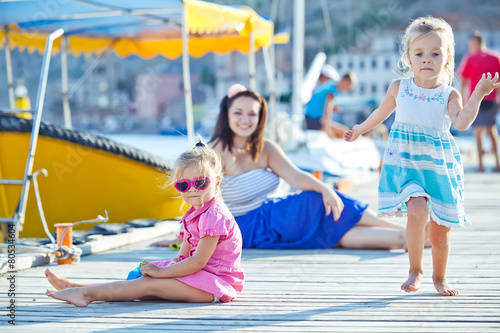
column 19, row 215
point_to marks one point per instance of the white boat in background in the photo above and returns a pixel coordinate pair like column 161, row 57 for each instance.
column 336, row 157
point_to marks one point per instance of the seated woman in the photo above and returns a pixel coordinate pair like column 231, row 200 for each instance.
column 316, row 217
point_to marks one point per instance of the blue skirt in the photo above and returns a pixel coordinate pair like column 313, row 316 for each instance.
column 298, row 221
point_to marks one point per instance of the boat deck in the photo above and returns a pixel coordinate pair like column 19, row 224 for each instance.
column 335, row 290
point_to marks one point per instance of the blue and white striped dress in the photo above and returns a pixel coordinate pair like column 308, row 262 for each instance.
column 422, row 158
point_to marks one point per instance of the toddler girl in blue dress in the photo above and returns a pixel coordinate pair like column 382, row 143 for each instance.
column 422, row 170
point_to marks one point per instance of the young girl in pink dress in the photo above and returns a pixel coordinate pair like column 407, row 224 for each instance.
column 208, row 266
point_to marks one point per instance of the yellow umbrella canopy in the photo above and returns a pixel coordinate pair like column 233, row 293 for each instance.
column 146, row 28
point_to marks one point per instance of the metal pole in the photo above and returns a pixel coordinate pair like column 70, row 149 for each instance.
column 328, row 22
column 8, row 63
column 298, row 60
column 187, row 76
column 37, row 118
column 251, row 59
column 89, row 71
column 64, row 83
column 269, row 65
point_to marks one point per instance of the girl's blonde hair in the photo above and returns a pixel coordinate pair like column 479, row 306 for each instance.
column 423, row 26
column 204, row 158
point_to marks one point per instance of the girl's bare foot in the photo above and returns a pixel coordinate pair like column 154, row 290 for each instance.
column 59, row 282
column 444, row 288
column 413, row 282
column 73, row 296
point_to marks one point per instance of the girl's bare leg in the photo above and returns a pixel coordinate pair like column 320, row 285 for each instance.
column 129, row 290
column 415, row 238
column 60, row 282
column 440, row 238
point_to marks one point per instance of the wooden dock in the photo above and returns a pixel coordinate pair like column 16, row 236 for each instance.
column 335, row 290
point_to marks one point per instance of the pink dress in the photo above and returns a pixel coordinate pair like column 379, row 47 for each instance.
column 222, row 276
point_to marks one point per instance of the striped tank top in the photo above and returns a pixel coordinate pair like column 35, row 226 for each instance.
column 248, row 191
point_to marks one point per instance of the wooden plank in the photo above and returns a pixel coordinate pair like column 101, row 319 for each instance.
column 97, row 245
column 337, row 290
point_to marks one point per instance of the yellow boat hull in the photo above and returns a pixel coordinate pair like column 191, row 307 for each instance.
column 84, row 180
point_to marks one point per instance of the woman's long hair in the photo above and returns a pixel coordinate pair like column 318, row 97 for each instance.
column 223, row 132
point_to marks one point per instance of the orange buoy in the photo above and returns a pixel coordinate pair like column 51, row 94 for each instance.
column 318, row 174
column 66, row 241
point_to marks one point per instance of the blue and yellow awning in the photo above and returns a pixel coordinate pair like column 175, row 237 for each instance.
column 145, row 28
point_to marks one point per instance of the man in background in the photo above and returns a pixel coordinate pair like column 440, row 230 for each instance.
column 320, row 109
column 328, row 74
column 480, row 60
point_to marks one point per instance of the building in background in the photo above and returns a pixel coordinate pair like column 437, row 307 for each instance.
column 362, row 36
column 377, row 65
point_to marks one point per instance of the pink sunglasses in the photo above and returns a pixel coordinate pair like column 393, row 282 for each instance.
column 198, row 183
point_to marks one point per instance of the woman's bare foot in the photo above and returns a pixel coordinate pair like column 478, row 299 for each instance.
column 444, row 288
column 59, row 282
column 73, row 296
column 413, row 282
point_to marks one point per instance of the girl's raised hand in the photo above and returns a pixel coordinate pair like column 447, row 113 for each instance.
column 353, row 134
column 487, row 84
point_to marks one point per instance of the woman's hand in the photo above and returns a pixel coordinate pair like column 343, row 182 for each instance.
column 332, row 203
column 353, row 134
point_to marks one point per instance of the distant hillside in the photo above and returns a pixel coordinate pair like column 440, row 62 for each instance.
column 353, row 17
column 462, row 14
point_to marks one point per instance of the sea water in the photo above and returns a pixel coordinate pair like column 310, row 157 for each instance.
column 168, row 147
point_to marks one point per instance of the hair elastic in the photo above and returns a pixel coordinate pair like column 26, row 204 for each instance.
column 235, row 89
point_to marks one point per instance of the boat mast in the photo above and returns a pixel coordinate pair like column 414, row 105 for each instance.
column 187, row 75
column 298, row 61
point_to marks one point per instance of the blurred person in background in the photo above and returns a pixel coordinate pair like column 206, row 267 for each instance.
column 480, row 60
